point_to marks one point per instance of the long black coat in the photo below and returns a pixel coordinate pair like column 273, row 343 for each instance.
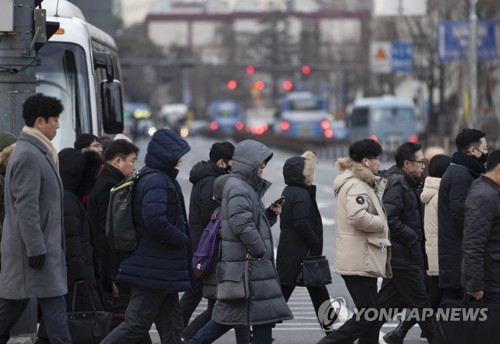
column 481, row 246
column 405, row 220
column 202, row 203
column 97, row 207
column 451, row 201
column 300, row 222
column 76, row 169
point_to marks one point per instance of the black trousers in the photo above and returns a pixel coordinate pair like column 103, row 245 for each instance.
column 191, row 299
column 363, row 291
column 318, row 295
column 407, row 289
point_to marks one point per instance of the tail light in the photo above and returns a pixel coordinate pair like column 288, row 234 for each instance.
column 413, row 138
column 374, row 137
column 239, row 126
column 325, row 124
column 284, row 125
column 214, row 125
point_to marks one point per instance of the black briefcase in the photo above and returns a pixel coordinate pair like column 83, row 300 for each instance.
column 314, row 271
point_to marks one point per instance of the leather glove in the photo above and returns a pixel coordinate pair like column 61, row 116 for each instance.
column 36, row 262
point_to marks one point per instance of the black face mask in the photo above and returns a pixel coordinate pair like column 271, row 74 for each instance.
column 483, row 157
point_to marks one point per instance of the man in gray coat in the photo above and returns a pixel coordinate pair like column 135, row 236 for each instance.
column 32, row 248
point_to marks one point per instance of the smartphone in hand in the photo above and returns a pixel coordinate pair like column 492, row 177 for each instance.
column 280, row 200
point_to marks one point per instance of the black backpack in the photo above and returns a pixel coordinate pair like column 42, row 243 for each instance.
column 119, row 219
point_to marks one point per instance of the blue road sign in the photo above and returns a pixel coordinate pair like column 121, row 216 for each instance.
column 454, row 36
column 402, row 57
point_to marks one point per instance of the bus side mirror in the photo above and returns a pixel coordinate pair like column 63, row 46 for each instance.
column 112, row 107
column 104, row 60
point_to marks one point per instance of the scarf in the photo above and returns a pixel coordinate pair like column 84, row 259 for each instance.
column 473, row 164
column 37, row 134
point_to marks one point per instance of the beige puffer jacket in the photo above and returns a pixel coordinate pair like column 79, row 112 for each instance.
column 362, row 233
column 430, row 198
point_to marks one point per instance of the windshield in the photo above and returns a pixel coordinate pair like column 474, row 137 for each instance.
column 62, row 73
column 306, row 104
column 226, row 110
column 399, row 116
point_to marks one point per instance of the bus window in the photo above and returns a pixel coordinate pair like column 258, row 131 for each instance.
column 306, row 104
column 69, row 84
column 359, row 117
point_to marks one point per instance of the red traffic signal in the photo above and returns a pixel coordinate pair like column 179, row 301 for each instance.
column 260, row 85
column 232, row 84
column 250, row 69
column 306, row 70
column 287, row 85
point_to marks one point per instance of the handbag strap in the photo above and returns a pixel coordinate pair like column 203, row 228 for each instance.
column 73, row 301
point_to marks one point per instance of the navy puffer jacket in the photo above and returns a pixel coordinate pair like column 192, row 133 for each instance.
column 161, row 261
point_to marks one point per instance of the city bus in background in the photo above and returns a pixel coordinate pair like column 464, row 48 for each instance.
column 225, row 116
column 138, row 120
column 79, row 65
column 176, row 116
column 305, row 114
column 389, row 120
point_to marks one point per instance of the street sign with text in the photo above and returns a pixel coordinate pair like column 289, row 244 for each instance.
column 453, row 40
column 391, row 57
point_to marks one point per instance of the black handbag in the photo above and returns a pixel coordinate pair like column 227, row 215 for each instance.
column 233, row 280
column 88, row 327
column 467, row 321
column 314, row 271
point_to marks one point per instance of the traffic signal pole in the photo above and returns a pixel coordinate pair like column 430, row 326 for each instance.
column 18, row 82
column 473, row 62
column 17, row 63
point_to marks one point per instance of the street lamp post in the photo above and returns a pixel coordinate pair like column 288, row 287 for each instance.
column 473, row 62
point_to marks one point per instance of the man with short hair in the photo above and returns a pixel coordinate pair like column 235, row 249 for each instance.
column 201, row 207
column 405, row 219
column 87, row 142
column 120, row 158
column 466, row 165
column 32, row 248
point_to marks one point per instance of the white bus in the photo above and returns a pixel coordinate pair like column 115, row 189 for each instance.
column 390, row 121
column 79, row 65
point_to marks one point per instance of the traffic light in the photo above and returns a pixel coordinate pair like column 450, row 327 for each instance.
column 260, row 85
column 306, row 70
column 250, row 69
column 232, row 84
column 287, row 85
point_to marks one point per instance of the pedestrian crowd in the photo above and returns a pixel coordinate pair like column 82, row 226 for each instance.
column 428, row 227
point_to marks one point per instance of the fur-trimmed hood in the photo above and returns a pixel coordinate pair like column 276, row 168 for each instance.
column 4, row 157
column 348, row 169
column 299, row 170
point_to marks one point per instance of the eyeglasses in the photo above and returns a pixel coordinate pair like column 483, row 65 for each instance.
column 377, row 158
column 96, row 145
column 418, row 161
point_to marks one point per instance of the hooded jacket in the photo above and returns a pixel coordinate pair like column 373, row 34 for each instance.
column 4, row 159
column 362, row 246
column 300, row 220
column 429, row 197
column 162, row 260
column 405, row 219
column 246, row 229
column 202, row 203
column 77, row 172
column 455, row 183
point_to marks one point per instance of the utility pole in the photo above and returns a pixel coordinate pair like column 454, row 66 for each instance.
column 17, row 82
column 17, row 61
column 473, row 62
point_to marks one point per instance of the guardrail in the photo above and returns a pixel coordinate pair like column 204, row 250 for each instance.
column 324, row 148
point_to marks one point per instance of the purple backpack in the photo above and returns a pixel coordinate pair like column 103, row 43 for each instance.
column 206, row 255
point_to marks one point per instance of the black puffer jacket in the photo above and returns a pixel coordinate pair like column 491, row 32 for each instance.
column 405, row 220
column 300, row 220
column 481, row 244
column 451, row 201
column 202, row 203
column 77, row 172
